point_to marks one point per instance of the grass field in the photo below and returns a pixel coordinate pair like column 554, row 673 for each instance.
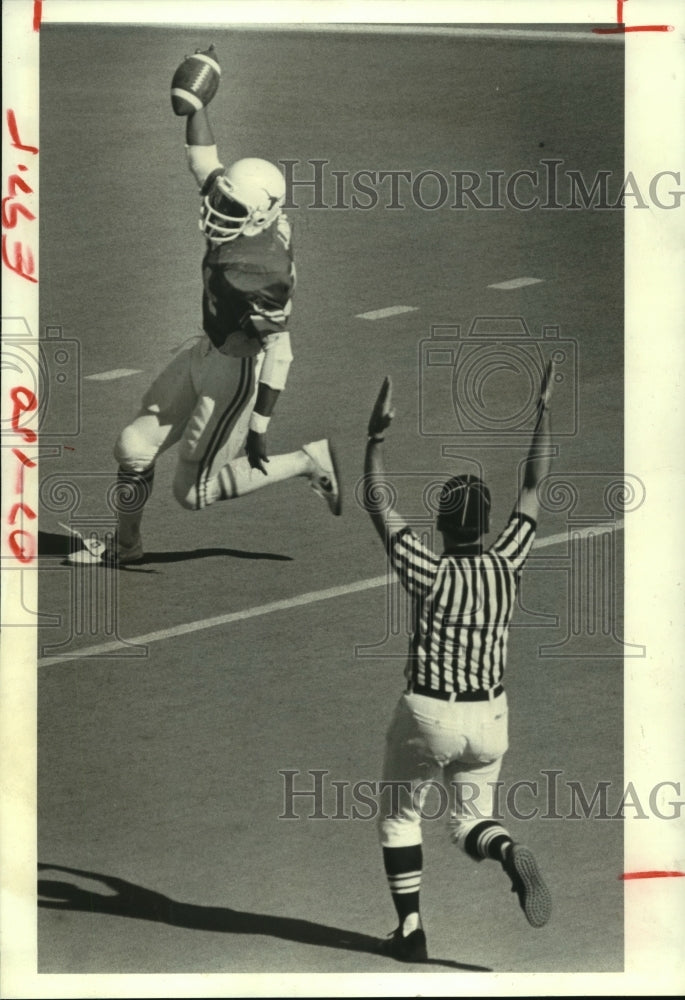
column 159, row 774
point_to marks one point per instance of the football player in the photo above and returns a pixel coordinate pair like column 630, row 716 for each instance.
column 216, row 398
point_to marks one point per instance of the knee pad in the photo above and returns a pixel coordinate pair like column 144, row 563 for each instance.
column 133, row 451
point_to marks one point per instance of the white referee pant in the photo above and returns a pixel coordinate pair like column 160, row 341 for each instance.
column 450, row 754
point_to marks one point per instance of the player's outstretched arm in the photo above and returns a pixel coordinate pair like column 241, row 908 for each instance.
column 539, row 459
column 201, row 151
column 199, row 130
column 377, row 493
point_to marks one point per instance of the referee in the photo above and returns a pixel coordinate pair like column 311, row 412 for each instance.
column 451, row 722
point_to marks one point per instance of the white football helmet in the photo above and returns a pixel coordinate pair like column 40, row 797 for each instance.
column 244, row 200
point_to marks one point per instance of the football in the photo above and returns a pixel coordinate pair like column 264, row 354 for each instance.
column 195, row 82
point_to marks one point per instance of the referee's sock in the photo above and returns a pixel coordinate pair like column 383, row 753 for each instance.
column 488, row 839
column 403, row 868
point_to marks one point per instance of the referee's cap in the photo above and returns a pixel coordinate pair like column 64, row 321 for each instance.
column 464, row 506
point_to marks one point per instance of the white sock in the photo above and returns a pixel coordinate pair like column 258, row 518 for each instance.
column 238, row 478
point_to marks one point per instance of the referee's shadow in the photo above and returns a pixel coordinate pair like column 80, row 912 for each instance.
column 125, row 899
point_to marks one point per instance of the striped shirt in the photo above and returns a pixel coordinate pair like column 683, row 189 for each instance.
column 463, row 606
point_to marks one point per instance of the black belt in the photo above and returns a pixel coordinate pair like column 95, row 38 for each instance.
column 456, row 696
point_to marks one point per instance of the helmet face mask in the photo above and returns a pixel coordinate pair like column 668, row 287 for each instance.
column 243, row 201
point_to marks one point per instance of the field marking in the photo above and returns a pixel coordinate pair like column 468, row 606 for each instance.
column 114, row 373
column 388, row 311
column 516, row 283
column 300, row 600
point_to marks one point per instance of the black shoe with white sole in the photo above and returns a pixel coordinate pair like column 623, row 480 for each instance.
column 411, row 948
column 528, row 884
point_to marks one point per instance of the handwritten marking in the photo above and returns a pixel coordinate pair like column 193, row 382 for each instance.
column 300, row 600
column 516, row 283
column 22, row 542
column 14, row 133
column 389, row 311
column 23, row 401
column 625, row 29
column 21, row 260
column 653, row 874
column 622, row 29
column 26, row 463
column 114, row 373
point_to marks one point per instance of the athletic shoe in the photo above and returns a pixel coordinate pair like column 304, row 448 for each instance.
column 411, row 948
column 127, row 554
column 96, row 553
column 527, row 883
column 325, row 479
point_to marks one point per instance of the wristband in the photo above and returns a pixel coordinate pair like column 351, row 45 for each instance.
column 258, row 422
column 376, row 438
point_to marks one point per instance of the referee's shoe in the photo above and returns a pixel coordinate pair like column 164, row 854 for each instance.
column 527, row 882
column 405, row 948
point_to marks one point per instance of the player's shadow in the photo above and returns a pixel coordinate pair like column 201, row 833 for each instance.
column 124, row 899
column 56, row 544
column 167, row 557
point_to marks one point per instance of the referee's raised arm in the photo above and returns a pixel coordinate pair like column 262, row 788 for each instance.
column 539, row 459
column 377, row 493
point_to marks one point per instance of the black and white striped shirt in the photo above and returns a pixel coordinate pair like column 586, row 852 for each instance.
column 463, row 607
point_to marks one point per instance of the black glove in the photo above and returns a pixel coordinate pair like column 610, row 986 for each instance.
column 255, row 448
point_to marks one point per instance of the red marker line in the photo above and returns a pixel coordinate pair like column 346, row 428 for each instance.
column 640, row 27
column 37, row 14
column 630, row 875
column 621, row 29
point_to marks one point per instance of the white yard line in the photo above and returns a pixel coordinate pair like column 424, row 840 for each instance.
column 516, row 283
column 388, row 311
column 300, row 600
column 114, row 373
